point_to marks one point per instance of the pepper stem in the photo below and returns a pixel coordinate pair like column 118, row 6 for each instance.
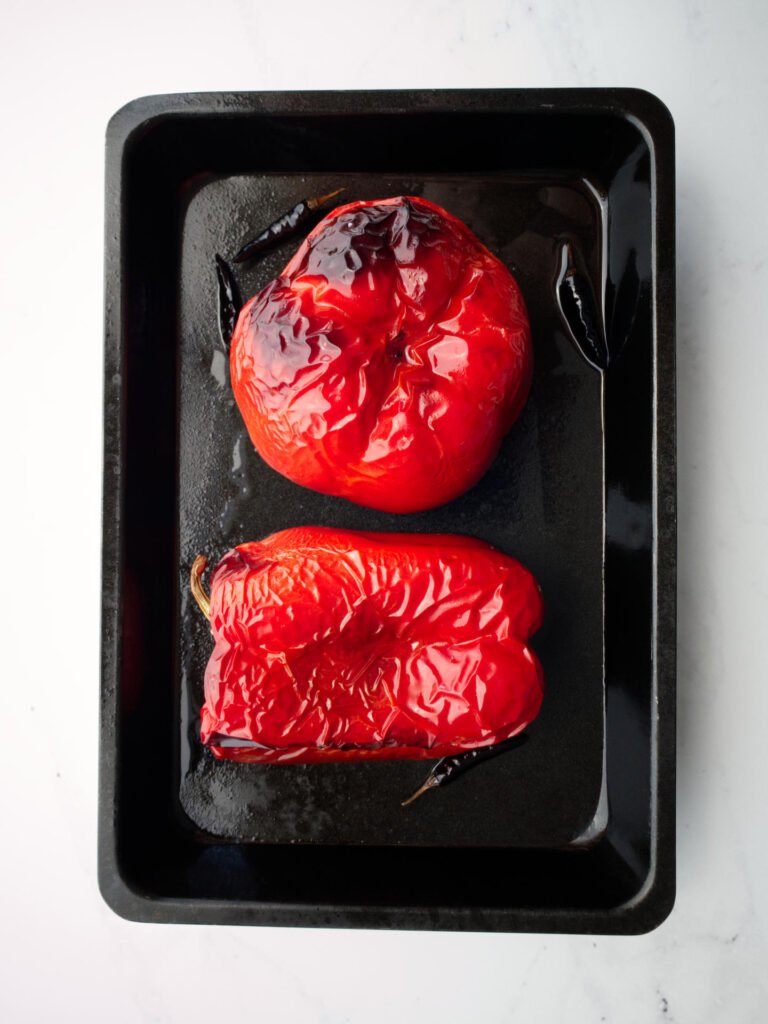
column 429, row 783
column 318, row 201
column 196, row 585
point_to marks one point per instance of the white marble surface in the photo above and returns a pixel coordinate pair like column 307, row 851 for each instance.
column 64, row 69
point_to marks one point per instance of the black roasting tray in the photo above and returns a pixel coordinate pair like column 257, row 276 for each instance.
column 573, row 831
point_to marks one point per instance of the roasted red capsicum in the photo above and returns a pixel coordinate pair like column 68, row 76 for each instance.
column 387, row 361
column 338, row 646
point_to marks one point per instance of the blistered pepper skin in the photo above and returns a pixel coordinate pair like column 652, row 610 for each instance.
column 343, row 646
column 387, row 361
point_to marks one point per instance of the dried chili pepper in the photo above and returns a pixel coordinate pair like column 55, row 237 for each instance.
column 284, row 227
column 343, row 646
column 387, row 361
column 449, row 769
column 230, row 302
column 578, row 309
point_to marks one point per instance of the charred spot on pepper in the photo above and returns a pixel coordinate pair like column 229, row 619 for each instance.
column 396, row 345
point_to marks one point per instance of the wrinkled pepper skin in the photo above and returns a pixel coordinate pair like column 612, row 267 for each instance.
column 343, row 646
column 387, row 361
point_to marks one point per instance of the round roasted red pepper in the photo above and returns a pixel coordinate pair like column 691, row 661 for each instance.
column 338, row 646
column 387, row 361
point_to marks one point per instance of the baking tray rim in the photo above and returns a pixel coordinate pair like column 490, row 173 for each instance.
column 655, row 899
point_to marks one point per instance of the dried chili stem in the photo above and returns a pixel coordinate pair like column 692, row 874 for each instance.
column 317, row 201
column 429, row 783
column 196, row 585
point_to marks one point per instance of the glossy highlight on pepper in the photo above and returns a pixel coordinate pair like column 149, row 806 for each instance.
column 333, row 645
column 387, row 361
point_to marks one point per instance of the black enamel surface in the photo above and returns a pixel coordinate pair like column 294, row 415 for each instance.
column 541, row 502
column 494, row 851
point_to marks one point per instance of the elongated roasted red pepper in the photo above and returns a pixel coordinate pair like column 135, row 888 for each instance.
column 339, row 646
column 387, row 361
